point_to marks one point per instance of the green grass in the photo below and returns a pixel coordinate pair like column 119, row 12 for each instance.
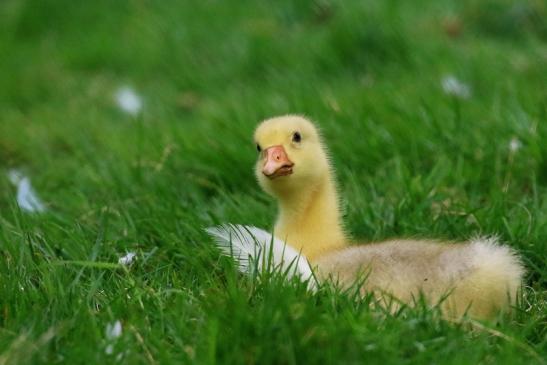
column 410, row 160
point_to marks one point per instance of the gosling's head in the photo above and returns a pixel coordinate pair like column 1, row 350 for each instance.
column 291, row 155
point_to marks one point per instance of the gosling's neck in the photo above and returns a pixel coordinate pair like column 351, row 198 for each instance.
column 310, row 221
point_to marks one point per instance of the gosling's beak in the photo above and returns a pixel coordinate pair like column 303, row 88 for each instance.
column 277, row 162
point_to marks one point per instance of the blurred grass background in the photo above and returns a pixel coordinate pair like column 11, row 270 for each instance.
column 411, row 159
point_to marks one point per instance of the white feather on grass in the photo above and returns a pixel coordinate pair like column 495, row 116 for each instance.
column 128, row 100
column 254, row 248
column 127, row 260
column 452, row 86
column 27, row 199
column 112, row 333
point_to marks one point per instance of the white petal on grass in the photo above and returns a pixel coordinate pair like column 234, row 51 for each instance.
column 128, row 100
column 26, row 196
column 452, row 86
column 515, row 144
column 127, row 259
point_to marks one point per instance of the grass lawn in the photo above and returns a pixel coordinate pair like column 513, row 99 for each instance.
column 435, row 113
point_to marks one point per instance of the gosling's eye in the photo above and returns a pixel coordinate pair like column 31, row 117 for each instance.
column 258, row 147
column 296, row 137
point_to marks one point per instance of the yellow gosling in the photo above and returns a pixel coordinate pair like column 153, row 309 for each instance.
column 480, row 276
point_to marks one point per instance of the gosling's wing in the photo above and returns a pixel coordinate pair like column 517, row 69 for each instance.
column 250, row 246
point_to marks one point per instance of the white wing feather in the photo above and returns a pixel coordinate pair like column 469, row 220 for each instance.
column 250, row 245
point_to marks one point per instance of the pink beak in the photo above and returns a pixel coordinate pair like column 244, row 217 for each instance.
column 277, row 162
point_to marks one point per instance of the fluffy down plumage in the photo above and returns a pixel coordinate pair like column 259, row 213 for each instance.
column 479, row 277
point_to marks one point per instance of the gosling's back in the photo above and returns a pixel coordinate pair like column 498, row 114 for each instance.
column 480, row 277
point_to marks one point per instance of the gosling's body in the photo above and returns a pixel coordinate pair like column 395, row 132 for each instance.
column 480, row 277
